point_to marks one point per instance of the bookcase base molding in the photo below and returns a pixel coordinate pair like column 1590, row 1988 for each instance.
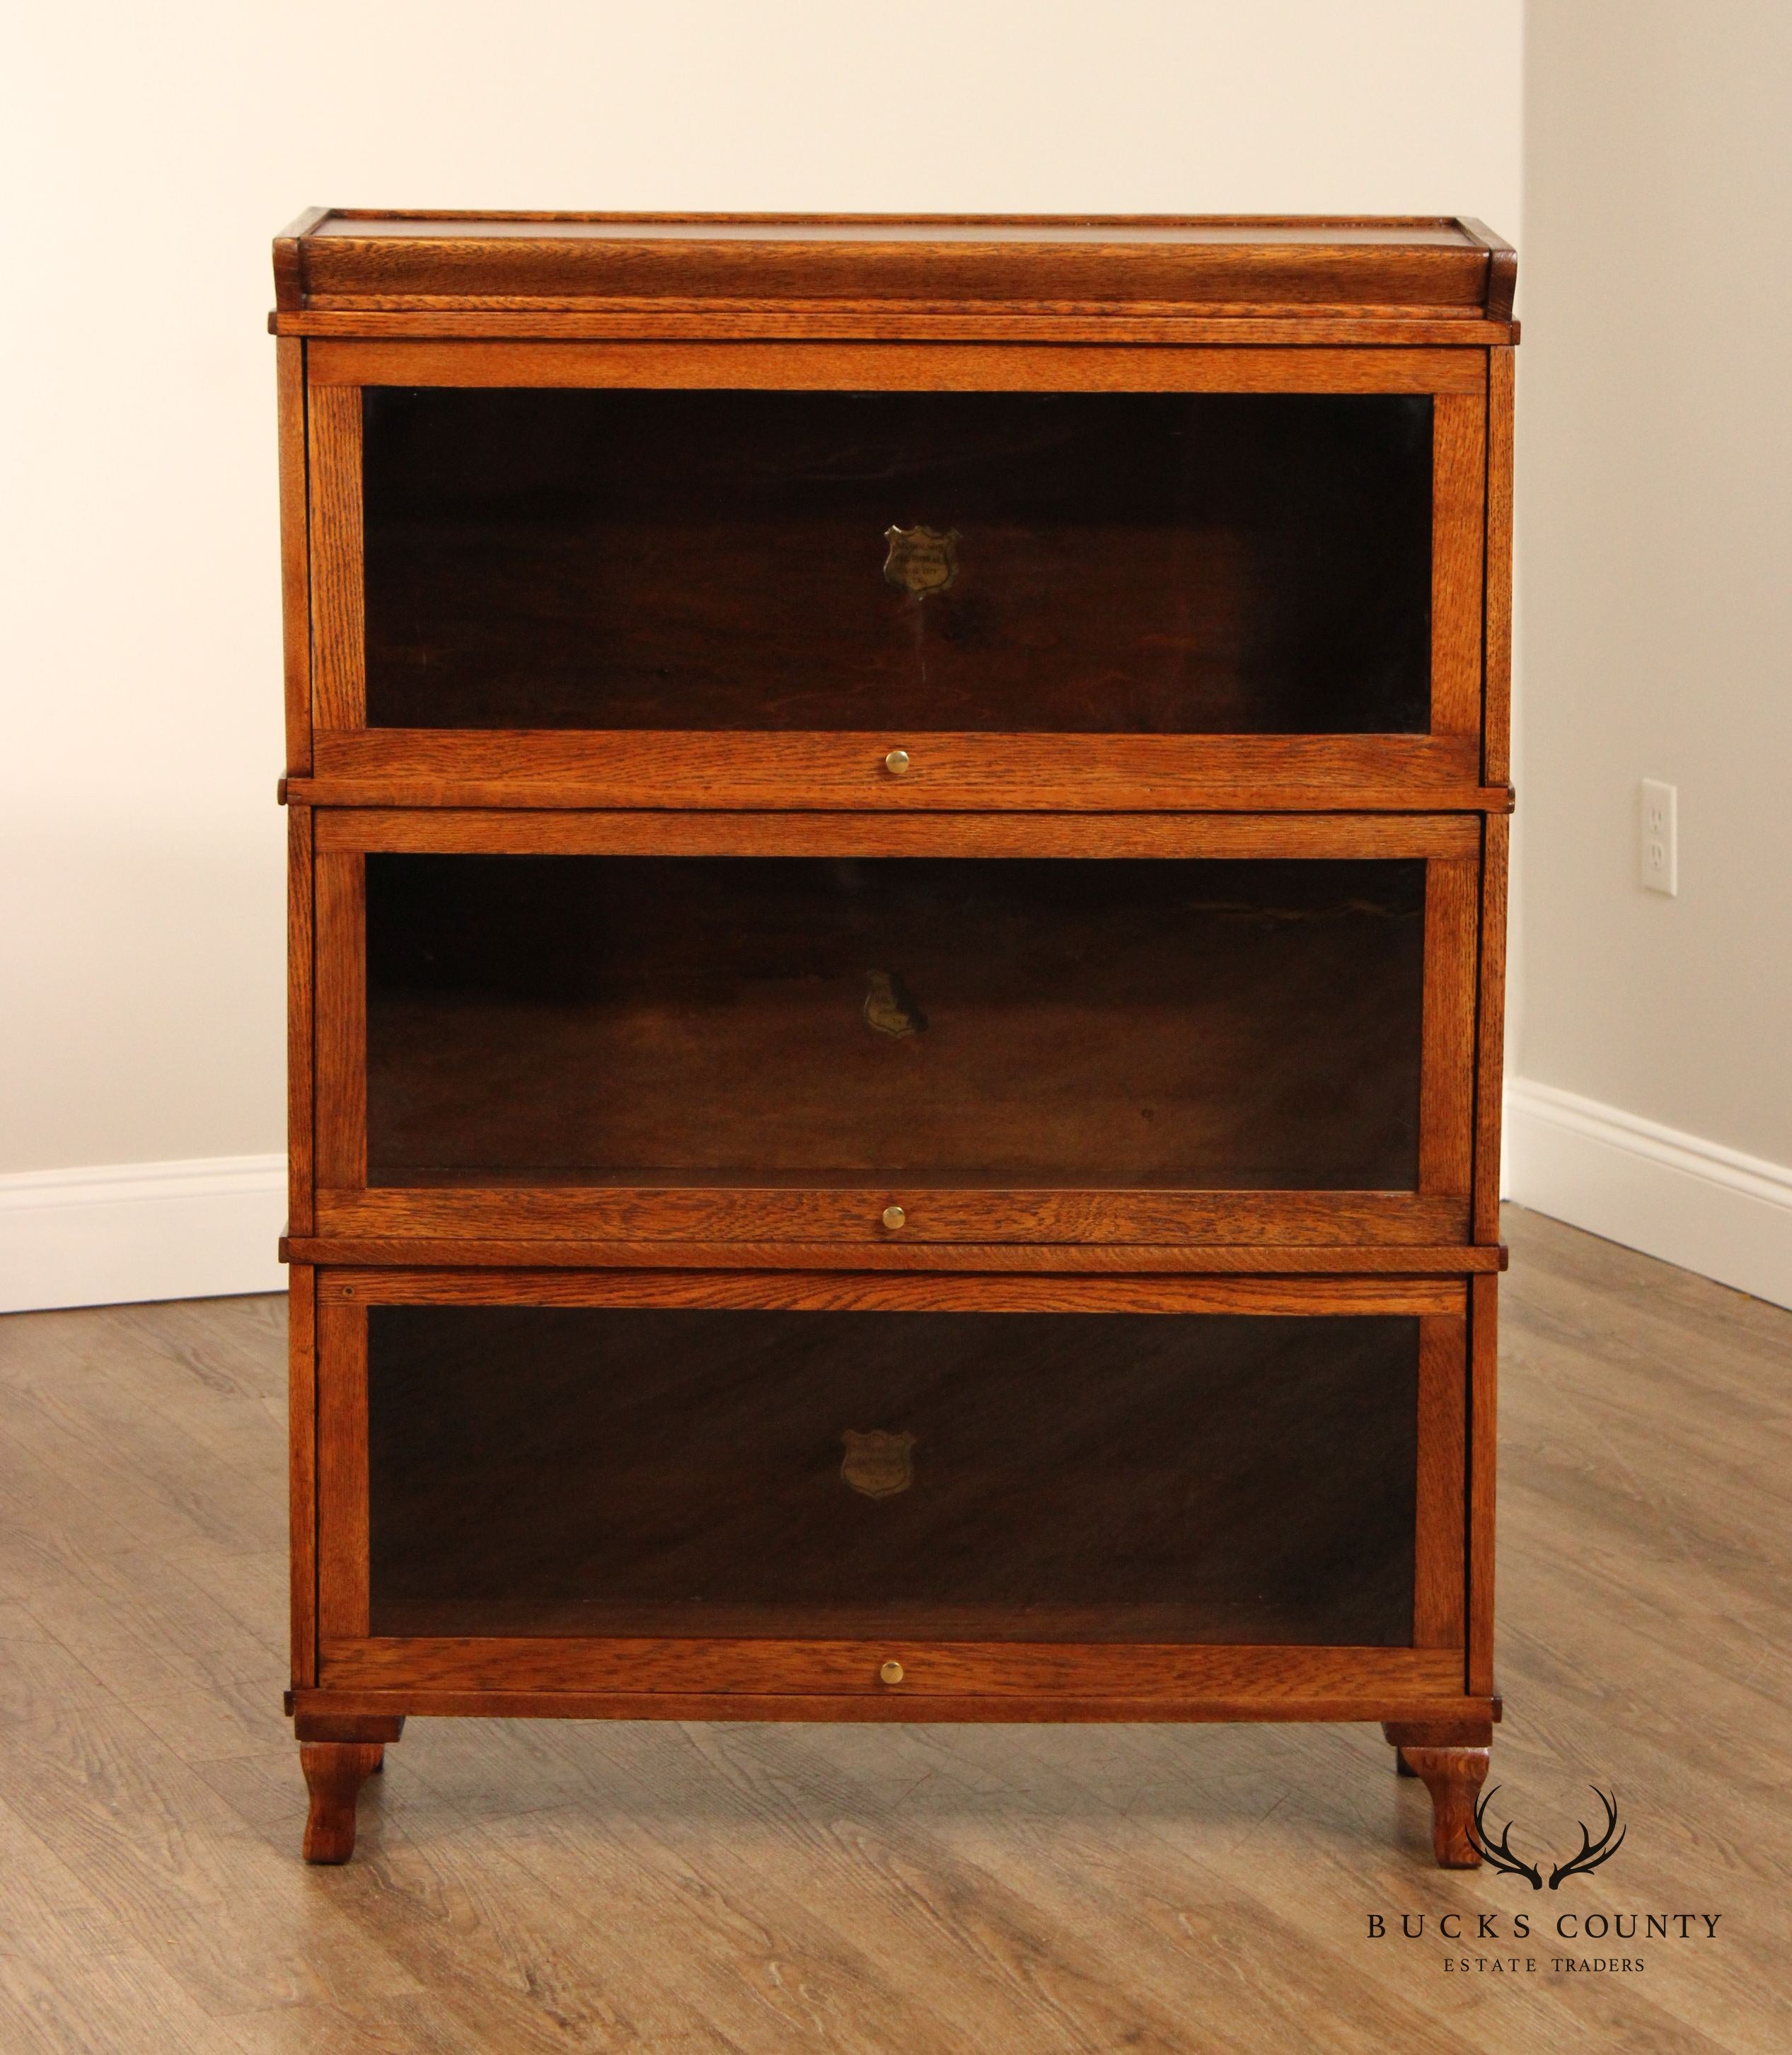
column 343, row 1738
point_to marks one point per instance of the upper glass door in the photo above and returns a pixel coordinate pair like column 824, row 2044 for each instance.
column 1161, row 563
column 903, row 576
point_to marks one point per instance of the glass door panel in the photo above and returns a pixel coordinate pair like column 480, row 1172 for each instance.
column 902, row 562
column 978, row 1476
column 1182, row 1025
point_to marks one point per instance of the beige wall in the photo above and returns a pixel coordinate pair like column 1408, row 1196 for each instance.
column 1656, row 561
column 156, row 150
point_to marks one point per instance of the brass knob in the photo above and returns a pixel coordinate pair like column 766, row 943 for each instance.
column 893, row 1217
column 897, row 763
column 891, row 1672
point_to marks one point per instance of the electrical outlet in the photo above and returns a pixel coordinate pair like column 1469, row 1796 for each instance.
column 1658, row 852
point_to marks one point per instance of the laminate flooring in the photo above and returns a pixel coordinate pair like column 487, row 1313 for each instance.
column 526, row 1887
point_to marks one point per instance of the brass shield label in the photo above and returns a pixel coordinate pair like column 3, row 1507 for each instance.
column 877, row 1464
column 922, row 560
column 890, row 1006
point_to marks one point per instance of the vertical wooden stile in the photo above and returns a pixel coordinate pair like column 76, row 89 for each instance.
column 341, row 1017
column 1489, row 1084
column 301, row 1402
column 1437, row 1556
column 1447, row 1085
column 342, row 1560
column 1482, row 1470
column 338, row 630
column 1459, row 547
column 295, row 553
column 301, row 1032
column 1496, row 756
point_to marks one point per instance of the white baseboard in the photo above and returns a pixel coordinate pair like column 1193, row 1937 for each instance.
column 1671, row 1195
column 204, row 1229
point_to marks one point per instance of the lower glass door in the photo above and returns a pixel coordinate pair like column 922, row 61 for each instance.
column 1284, row 1473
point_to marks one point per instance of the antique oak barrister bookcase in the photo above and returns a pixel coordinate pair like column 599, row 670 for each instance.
column 898, row 840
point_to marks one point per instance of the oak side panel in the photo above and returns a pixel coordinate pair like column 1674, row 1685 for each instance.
column 853, row 1214
column 1497, row 758
column 1483, row 1462
column 342, row 1531
column 899, row 1291
column 1490, row 1087
column 300, row 959
column 341, row 1021
column 896, row 367
column 1446, row 1082
column 1439, row 1566
column 732, row 770
column 295, row 556
column 301, row 1467
column 338, row 624
column 850, row 1668
column 492, row 831
column 1459, row 543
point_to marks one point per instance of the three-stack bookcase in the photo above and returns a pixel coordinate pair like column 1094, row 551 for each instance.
column 898, row 843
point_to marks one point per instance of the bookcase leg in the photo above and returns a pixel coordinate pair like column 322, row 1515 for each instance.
column 333, row 1773
column 336, row 1765
column 1454, row 1777
column 1453, row 1767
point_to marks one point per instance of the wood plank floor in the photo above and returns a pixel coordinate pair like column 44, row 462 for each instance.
column 528, row 1887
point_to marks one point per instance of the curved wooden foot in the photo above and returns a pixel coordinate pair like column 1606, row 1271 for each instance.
column 1453, row 1776
column 334, row 1772
column 337, row 1757
column 1452, row 1761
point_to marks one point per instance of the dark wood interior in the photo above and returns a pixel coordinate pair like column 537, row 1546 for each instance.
column 1091, row 1477
column 1100, row 1023
column 1144, row 563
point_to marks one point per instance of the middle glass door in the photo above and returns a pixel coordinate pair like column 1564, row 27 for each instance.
column 652, row 1019
column 927, row 1031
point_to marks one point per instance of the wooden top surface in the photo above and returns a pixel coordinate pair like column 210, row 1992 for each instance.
column 339, row 270
column 1269, row 230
